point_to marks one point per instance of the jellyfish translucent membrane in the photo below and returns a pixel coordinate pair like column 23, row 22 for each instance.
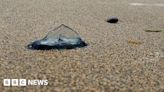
column 61, row 37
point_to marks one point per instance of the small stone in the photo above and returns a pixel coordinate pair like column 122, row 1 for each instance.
column 112, row 20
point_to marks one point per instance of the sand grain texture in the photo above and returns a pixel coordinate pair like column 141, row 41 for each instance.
column 109, row 63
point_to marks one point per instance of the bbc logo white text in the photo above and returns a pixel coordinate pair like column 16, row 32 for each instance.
column 24, row 82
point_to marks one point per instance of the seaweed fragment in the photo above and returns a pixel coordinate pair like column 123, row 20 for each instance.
column 148, row 30
column 135, row 42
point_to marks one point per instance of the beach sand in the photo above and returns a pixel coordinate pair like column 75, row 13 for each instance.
column 119, row 57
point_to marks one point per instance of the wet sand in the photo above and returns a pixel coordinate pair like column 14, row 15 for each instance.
column 119, row 57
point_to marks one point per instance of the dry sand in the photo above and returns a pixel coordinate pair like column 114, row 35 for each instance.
column 120, row 57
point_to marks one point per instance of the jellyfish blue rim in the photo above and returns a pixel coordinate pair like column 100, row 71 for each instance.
column 32, row 46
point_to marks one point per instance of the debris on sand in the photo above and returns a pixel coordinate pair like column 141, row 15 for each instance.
column 135, row 42
column 154, row 30
column 61, row 37
column 112, row 20
column 162, row 53
column 161, row 59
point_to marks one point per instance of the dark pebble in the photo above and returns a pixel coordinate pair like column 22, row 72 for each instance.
column 112, row 20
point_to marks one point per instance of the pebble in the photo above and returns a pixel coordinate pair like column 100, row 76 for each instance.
column 112, row 20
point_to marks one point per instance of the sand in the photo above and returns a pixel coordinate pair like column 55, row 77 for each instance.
column 113, row 60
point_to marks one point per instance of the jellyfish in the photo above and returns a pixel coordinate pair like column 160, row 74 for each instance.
column 61, row 37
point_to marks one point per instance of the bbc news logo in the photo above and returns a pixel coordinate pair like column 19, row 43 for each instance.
column 24, row 82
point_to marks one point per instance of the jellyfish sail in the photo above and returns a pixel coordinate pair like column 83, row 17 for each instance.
column 61, row 37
